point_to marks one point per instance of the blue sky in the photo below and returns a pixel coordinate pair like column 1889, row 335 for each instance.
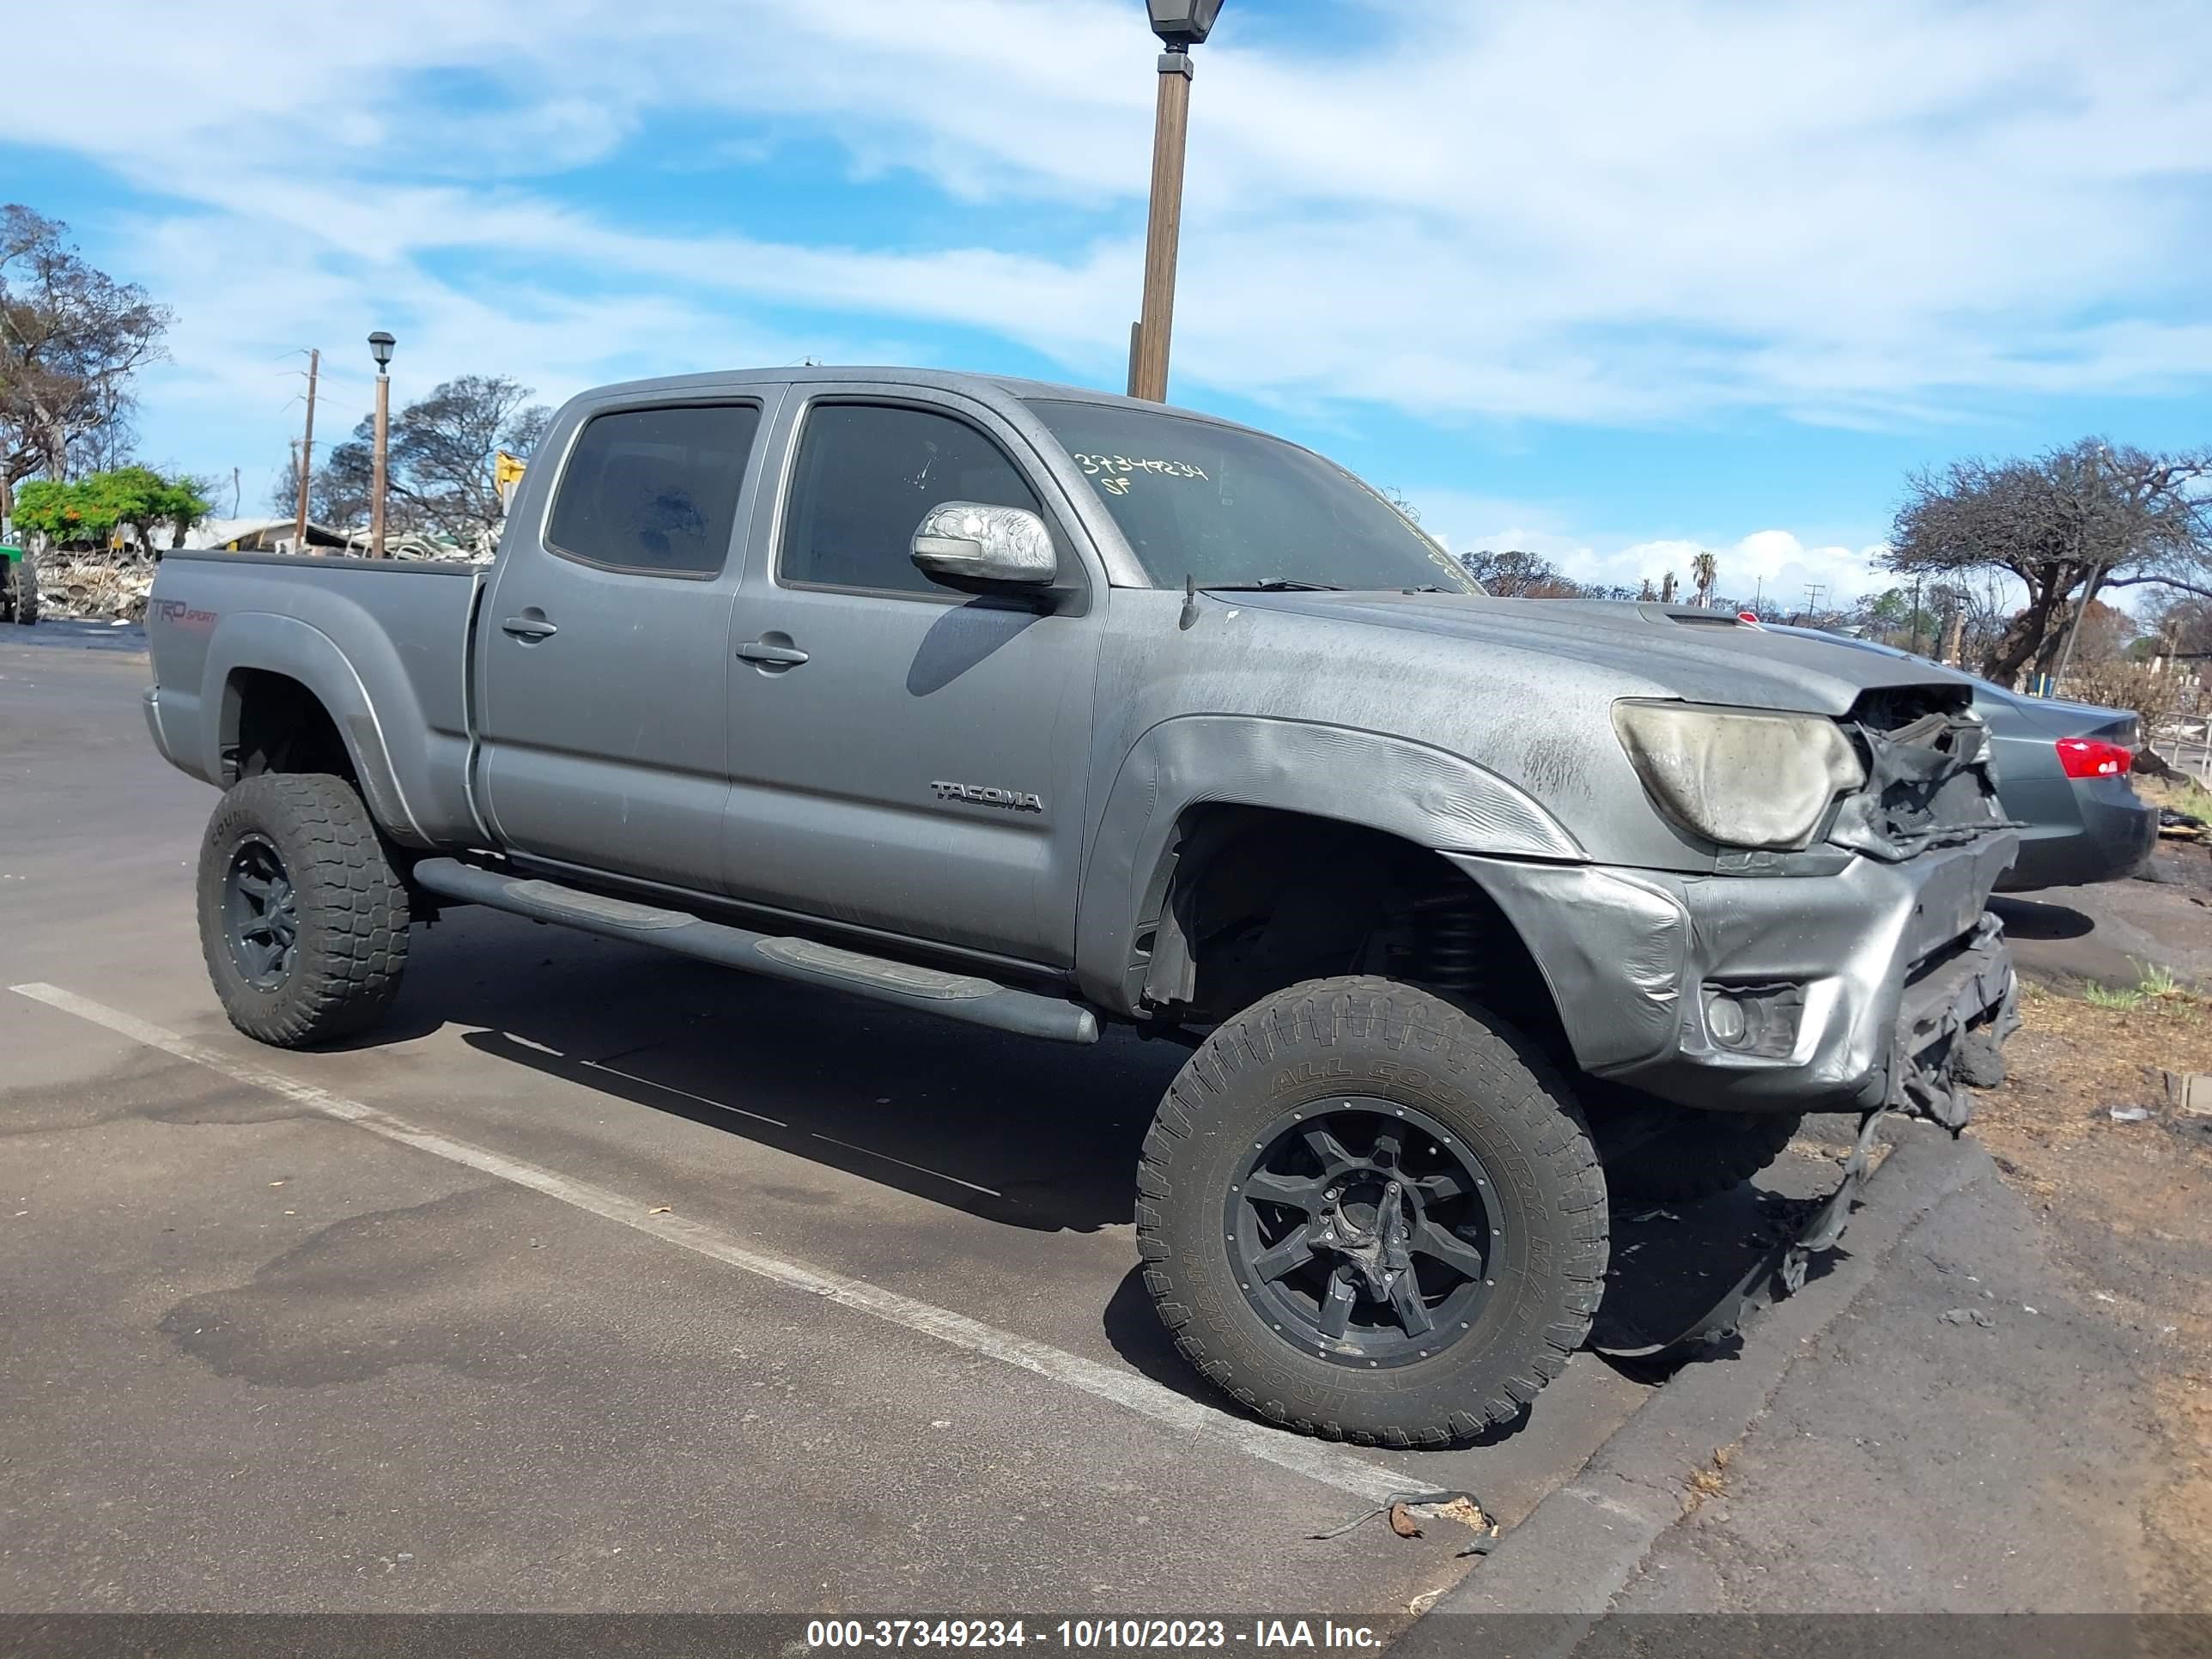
column 1614, row 280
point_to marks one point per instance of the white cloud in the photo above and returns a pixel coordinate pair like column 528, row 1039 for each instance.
column 1617, row 211
column 1773, row 566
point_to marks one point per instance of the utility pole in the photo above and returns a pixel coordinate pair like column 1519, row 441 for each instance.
column 1181, row 25
column 1916, row 616
column 379, row 347
column 1813, row 591
column 307, row 452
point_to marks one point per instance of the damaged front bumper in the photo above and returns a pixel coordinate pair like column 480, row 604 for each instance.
column 1882, row 985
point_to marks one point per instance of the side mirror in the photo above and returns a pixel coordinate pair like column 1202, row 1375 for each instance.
column 967, row 545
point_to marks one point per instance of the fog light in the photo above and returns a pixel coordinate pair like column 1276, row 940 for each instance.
column 1757, row 1021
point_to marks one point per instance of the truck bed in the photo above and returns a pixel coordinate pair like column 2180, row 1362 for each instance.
column 384, row 644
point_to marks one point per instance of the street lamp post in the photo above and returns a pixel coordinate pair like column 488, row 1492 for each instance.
column 379, row 347
column 1181, row 25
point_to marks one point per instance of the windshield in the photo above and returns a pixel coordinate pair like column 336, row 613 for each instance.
column 1228, row 508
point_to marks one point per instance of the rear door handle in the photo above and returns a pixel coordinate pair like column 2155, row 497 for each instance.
column 783, row 656
column 528, row 627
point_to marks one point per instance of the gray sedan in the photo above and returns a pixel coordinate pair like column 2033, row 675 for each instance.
column 2061, row 770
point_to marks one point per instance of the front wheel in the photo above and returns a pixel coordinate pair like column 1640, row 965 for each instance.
column 303, row 919
column 1370, row 1215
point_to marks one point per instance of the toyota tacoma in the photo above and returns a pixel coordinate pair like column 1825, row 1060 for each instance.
column 1050, row 711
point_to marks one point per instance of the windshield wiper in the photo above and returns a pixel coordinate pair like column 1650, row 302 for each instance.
column 1273, row 585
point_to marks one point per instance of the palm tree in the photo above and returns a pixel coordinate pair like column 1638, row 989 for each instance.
column 1705, row 571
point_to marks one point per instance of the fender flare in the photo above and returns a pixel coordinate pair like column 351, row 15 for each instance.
column 275, row 644
column 1424, row 796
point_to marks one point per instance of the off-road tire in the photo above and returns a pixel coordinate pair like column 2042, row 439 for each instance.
column 1377, row 1039
column 352, row 908
column 1695, row 1154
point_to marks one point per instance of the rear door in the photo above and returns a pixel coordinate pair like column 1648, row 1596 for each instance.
column 903, row 756
column 604, row 643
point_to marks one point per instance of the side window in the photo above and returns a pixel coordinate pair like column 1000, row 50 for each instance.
column 865, row 475
column 654, row 489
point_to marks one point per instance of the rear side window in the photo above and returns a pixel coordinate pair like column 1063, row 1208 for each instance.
column 866, row 476
column 654, row 489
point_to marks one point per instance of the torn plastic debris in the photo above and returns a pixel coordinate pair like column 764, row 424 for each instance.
column 1462, row 1506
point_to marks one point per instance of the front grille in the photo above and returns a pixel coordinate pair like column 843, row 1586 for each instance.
column 1928, row 776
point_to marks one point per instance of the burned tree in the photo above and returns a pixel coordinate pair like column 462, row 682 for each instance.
column 441, row 479
column 2072, row 522
column 1516, row 574
column 70, row 338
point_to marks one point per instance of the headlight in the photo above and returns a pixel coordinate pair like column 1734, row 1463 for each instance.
column 1743, row 779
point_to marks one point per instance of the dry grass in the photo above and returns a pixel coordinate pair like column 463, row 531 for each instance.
column 1708, row 1482
column 2183, row 795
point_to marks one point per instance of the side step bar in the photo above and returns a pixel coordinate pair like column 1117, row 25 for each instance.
column 926, row 990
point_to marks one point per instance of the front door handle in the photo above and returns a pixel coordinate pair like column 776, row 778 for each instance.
column 528, row 627
column 765, row 651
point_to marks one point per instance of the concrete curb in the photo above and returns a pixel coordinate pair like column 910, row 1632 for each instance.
column 1583, row 1544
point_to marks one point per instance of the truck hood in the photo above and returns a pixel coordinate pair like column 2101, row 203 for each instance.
column 1701, row 656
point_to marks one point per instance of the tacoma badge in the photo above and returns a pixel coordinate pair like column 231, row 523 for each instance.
column 984, row 795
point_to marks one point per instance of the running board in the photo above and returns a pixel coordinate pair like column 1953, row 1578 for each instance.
column 926, row 990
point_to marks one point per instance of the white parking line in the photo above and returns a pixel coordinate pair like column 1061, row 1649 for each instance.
column 1126, row 1389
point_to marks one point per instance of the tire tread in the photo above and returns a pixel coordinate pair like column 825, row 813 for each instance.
column 354, row 909
column 1517, row 1084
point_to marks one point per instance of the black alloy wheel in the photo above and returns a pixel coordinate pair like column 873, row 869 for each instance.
column 260, row 914
column 1362, row 1231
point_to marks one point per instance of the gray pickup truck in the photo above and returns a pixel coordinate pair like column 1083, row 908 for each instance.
column 1047, row 710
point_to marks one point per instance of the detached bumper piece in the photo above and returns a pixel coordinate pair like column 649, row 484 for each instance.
column 1952, row 1019
column 1952, row 1023
column 1778, row 1272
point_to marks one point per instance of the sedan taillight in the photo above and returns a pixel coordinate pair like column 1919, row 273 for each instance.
column 2092, row 757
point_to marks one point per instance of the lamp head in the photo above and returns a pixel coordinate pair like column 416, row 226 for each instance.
column 1182, row 24
column 379, row 347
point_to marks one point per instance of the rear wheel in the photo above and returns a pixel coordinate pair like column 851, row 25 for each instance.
column 19, row 594
column 303, row 919
column 1370, row 1215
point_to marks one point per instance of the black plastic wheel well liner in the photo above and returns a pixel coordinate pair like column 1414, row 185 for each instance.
column 1260, row 899
column 272, row 723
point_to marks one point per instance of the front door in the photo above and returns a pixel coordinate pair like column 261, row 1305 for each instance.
column 604, row 647
column 902, row 757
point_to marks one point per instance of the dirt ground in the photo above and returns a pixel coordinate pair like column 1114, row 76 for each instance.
column 2130, row 1200
column 2129, row 1197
